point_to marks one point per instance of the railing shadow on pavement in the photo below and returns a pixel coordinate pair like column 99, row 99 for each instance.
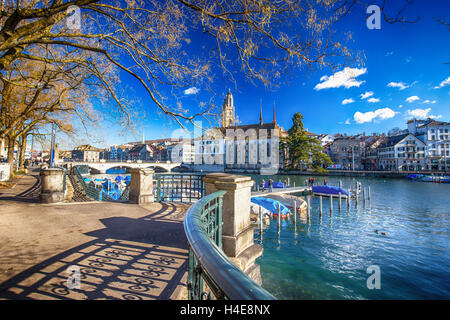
column 130, row 259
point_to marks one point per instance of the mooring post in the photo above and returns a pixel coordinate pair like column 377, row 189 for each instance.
column 279, row 217
column 260, row 221
column 340, row 199
column 295, row 212
column 320, row 205
column 340, row 183
column 348, row 198
column 368, row 193
column 308, row 211
column 364, row 196
column 331, row 203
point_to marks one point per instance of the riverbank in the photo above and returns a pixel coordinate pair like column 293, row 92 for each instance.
column 346, row 173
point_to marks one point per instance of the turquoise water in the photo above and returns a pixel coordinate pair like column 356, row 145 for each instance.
column 328, row 257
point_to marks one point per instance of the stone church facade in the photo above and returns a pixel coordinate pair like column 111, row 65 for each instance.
column 251, row 148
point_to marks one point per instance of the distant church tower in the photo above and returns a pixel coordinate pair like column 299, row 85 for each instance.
column 228, row 117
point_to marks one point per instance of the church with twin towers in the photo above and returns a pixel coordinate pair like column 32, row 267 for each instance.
column 251, row 148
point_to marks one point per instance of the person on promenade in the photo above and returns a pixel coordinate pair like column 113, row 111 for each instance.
column 270, row 185
column 325, row 182
column 262, row 185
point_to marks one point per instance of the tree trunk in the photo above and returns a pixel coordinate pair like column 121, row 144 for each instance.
column 11, row 143
column 23, row 147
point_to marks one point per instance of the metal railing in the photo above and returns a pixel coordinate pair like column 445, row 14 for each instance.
column 97, row 193
column 178, row 187
column 211, row 274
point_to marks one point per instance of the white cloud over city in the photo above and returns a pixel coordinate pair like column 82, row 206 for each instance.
column 422, row 114
column 412, row 99
column 444, row 83
column 379, row 114
column 345, row 78
column 399, row 85
column 190, row 91
column 347, row 101
column 367, row 94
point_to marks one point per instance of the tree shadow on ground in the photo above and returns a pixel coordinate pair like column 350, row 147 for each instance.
column 133, row 259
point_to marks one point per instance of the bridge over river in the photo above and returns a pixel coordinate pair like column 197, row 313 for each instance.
column 102, row 166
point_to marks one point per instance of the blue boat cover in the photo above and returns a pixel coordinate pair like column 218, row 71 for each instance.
column 274, row 185
column 414, row 176
column 270, row 204
column 329, row 190
column 119, row 178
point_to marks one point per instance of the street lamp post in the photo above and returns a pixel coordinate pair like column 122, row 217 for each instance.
column 52, row 150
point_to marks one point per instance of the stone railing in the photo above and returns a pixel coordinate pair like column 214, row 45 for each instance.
column 222, row 251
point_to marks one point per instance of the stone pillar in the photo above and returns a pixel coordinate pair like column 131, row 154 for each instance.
column 141, row 185
column 237, row 230
column 52, row 185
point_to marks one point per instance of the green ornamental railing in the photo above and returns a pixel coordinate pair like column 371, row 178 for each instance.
column 211, row 274
column 178, row 187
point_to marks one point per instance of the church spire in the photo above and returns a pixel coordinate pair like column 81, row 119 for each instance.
column 274, row 119
column 260, row 113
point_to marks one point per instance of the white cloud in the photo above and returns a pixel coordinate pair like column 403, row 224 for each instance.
column 419, row 113
column 422, row 114
column 400, row 106
column 344, row 78
column 412, row 99
column 399, row 85
column 373, row 100
column 192, row 90
column 389, row 53
column 381, row 114
column 347, row 101
column 429, row 102
column 347, row 121
column 367, row 94
column 444, row 83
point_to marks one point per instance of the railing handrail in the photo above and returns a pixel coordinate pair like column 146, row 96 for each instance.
column 234, row 283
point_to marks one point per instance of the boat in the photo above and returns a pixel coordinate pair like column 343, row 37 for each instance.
column 272, row 206
column 414, row 176
column 328, row 191
column 436, row 179
column 275, row 185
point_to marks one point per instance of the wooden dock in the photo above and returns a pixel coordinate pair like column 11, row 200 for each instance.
column 281, row 191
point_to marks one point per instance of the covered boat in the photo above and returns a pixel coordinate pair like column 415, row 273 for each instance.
column 327, row 191
column 271, row 206
column 275, row 185
column 414, row 176
column 436, row 179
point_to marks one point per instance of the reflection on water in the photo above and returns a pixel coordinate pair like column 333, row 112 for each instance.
column 404, row 230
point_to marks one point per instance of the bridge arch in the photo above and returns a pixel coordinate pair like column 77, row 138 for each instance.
column 181, row 168
column 116, row 168
column 159, row 168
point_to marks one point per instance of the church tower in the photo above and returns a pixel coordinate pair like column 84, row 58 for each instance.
column 228, row 117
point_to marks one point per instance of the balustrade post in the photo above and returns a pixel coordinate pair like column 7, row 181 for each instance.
column 237, row 230
column 141, row 185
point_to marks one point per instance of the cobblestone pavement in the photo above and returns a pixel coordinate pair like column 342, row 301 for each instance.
column 121, row 250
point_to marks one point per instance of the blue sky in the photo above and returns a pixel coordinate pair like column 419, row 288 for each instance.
column 404, row 75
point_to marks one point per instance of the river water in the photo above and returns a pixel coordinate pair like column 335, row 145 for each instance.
column 328, row 257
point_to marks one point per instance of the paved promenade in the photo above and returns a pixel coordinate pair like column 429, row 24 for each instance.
column 124, row 251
